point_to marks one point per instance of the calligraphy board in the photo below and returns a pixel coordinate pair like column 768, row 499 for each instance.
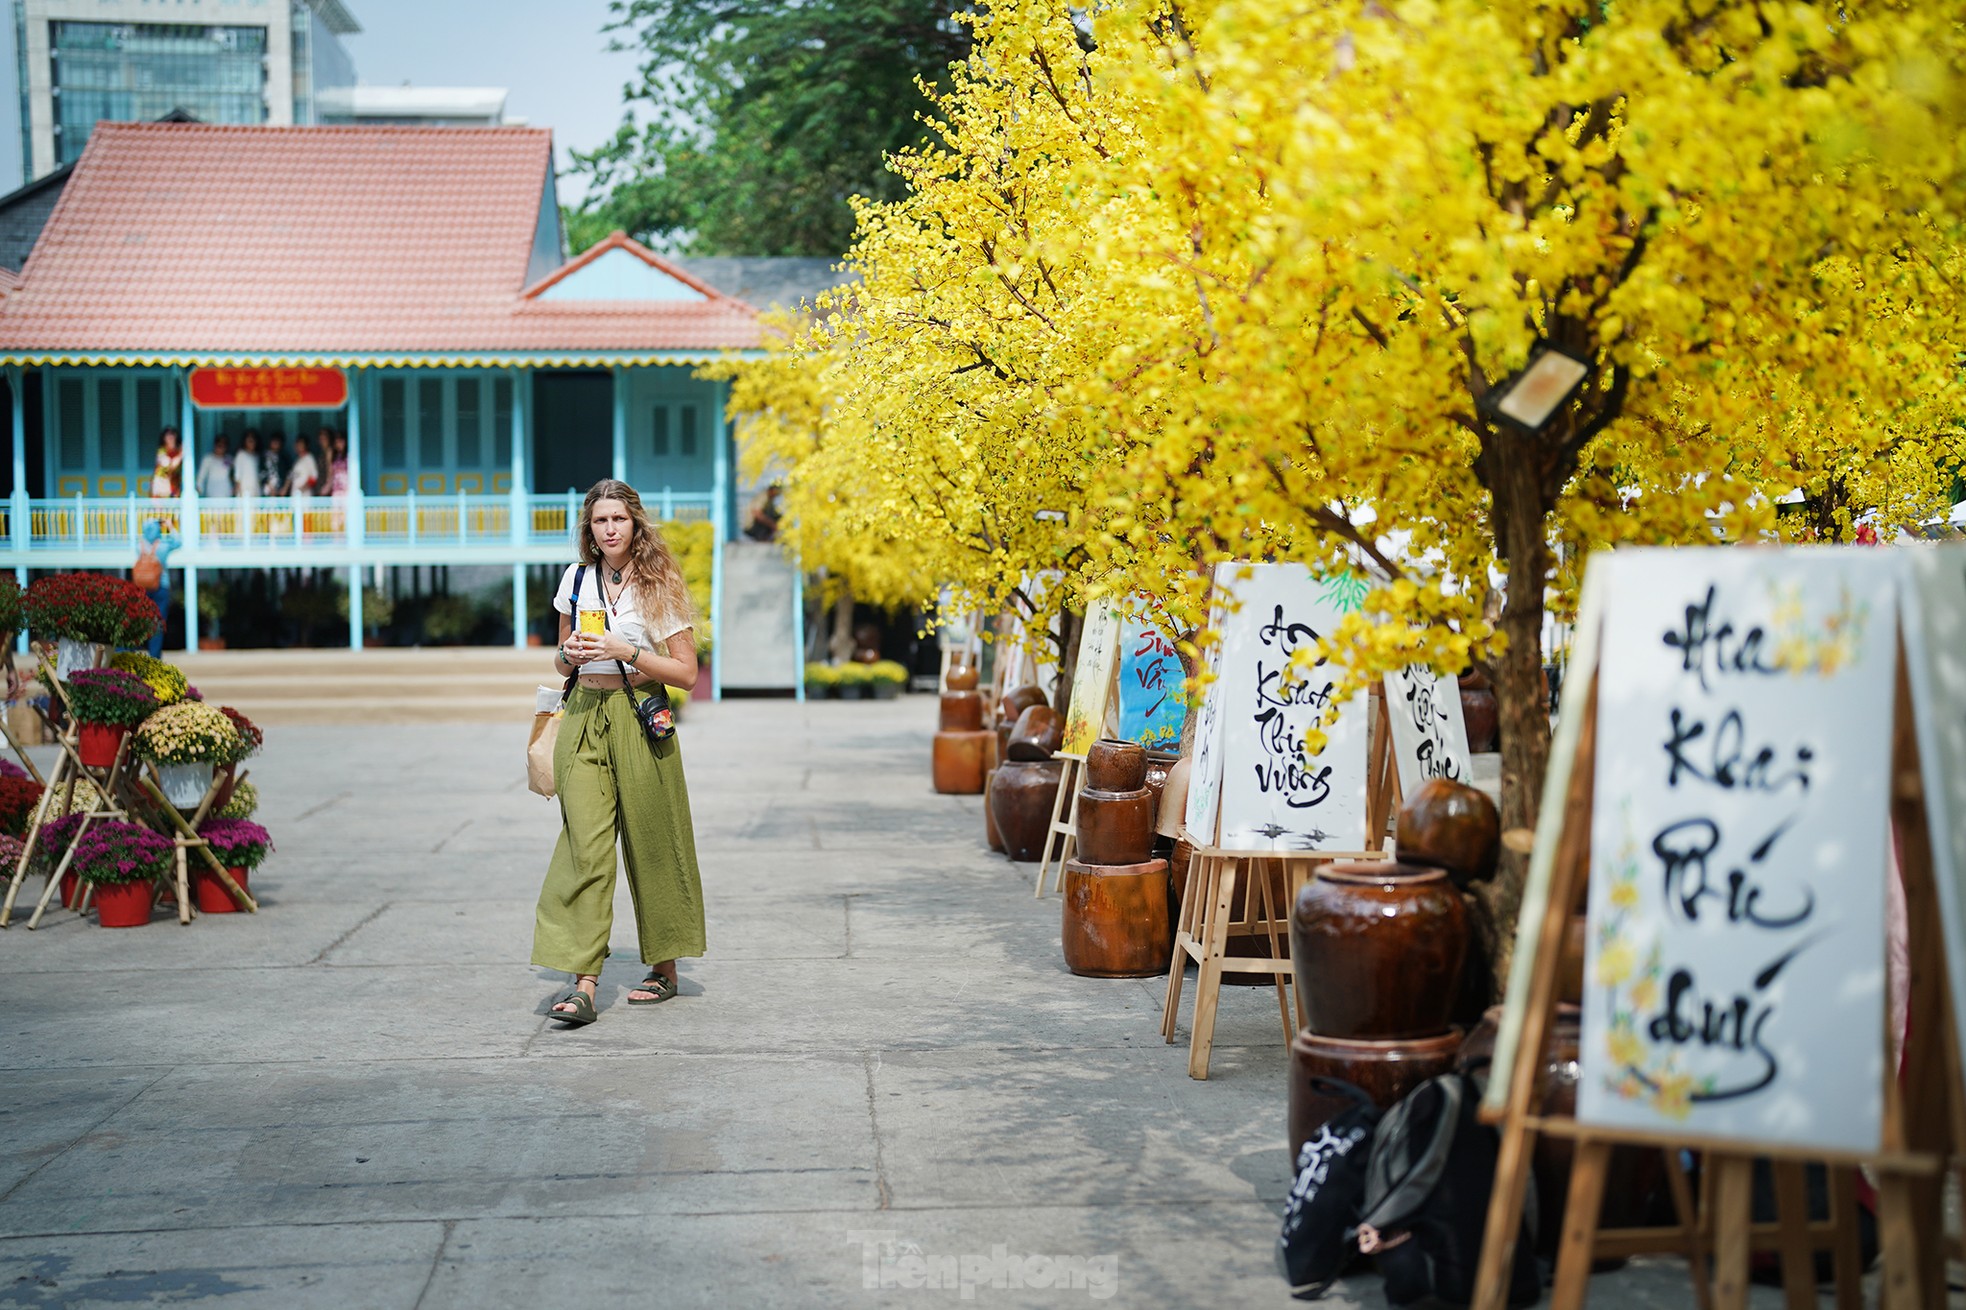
column 1099, row 644
column 1430, row 739
column 1934, row 616
column 1152, row 709
column 1735, row 960
column 1273, row 794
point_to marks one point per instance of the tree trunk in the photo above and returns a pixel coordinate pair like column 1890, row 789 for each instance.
column 1071, row 625
column 841, row 646
column 1521, row 704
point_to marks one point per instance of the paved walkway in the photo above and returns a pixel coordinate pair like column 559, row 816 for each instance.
column 354, row 1100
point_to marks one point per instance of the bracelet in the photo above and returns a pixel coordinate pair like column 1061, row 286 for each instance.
column 635, row 660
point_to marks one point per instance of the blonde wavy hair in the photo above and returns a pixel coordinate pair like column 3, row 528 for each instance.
column 652, row 567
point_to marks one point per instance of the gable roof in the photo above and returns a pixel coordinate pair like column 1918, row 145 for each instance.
column 604, row 269
column 356, row 244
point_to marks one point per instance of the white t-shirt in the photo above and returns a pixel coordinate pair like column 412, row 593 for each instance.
column 628, row 618
column 245, row 472
column 215, row 476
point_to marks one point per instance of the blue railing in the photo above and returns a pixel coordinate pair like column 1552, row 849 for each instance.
column 491, row 521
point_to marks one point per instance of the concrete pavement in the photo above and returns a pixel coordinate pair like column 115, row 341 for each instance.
column 354, row 1098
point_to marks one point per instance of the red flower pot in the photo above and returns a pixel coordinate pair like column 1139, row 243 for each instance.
column 71, row 891
column 124, row 904
column 99, row 742
column 210, row 893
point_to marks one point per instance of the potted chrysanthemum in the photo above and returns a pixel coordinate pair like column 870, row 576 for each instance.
column 887, row 677
column 124, row 863
column 18, row 799
column 856, row 681
column 241, row 846
column 106, row 703
column 185, row 741
column 822, row 680
column 242, row 804
column 166, row 681
column 85, row 612
column 11, row 600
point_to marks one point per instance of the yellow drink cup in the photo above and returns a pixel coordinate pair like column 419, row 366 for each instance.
column 593, row 620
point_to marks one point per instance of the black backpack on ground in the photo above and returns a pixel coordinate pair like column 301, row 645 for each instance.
column 1427, row 1189
column 1319, row 1236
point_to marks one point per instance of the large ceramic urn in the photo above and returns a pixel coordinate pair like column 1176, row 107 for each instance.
column 1022, row 795
column 1116, row 810
column 962, row 760
column 1480, row 714
column 1450, row 825
column 1377, row 949
column 1039, row 732
column 1383, row 1070
column 1116, row 919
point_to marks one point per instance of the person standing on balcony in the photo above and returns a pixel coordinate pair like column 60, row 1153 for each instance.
column 335, row 447
column 245, row 466
column 167, row 478
column 153, row 558
column 614, row 784
column 273, row 465
column 215, row 470
column 301, row 482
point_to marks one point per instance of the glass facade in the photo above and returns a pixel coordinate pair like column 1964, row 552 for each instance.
column 142, row 71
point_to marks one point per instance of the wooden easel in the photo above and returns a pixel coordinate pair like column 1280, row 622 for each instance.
column 1208, row 919
column 1924, row 1120
column 1062, row 836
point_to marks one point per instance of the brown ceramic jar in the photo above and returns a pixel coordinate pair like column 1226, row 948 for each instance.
column 1451, row 826
column 1040, row 731
column 991, row 837
column 1383, row 1070
column 1116, row 922
column 1479, row 713
column 961, row 677
column 1021, row 799
column 960, row 761
column 1112, row 765
column 1158, row 767
column 1018, row 699
column 1115, row 827
column 962, row 711
column 1377, row 949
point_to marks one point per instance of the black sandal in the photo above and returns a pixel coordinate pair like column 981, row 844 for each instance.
column 583, row 1011
column 657, row 983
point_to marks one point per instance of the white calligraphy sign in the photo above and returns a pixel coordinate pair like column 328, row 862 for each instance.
column 1735, row 967
column 1430, row 740
column 1205, row 769
column 1935, row 648
column 1275, row 795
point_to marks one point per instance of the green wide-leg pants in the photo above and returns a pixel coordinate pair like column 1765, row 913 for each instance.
column 611, row 785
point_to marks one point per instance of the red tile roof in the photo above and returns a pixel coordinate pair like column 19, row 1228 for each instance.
column 194, row 238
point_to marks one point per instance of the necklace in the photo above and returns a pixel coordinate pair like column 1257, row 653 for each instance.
column 617, row 575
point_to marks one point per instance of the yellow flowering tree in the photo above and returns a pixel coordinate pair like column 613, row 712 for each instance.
column 1742, row 221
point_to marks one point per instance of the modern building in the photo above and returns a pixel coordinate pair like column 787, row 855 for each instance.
column 220, row 61
column 404, row 286
column 413, row 106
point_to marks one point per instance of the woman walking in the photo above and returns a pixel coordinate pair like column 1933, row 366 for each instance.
column 613, row 782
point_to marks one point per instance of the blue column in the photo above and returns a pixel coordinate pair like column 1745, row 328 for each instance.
column 720, row 533
column 521, row 483
column 354, row 596
column 620, row 469
column 20, row 527
column 799, row 630
column 190, row 608
column 519, row 615
column 358, row 514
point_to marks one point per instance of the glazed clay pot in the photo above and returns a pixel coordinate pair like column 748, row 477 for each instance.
column 1383, row 1070
column 1452, row 826
column 1021, row 799
column 1377, row 949
column 1017, row 700
column 961, row 677
column 1116, row 922
column 991, row 836
column 1116, row 827
column 1040, row 731
column 961, row 760
column 1174, row 799
column 1114, row 766
column 1480, row 713
column 962, row 711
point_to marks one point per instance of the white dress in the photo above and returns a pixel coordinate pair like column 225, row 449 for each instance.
column 245, row 473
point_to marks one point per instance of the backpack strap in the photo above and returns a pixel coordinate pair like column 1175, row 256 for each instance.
column 579, row 576
column 1402, row 1172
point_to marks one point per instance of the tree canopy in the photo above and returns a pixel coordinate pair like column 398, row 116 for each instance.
column 754, row 121
column 1240, row 280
